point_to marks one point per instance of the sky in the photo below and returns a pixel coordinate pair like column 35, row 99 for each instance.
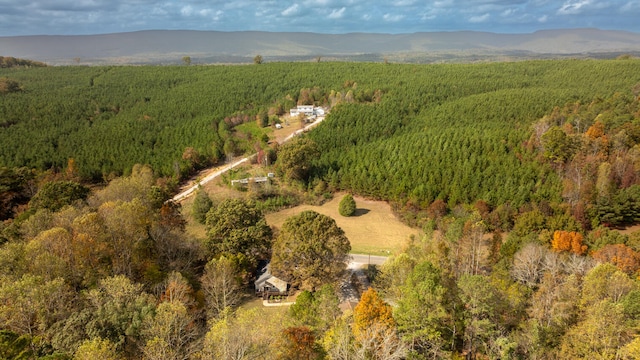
column 83, row 17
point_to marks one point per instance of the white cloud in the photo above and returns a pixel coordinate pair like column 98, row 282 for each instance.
column 337, row 13
column 211, row 13
column 159, row 11
column 479, row 18
column 318, row 3
column 186, row 10
column 508, row 12
column 291, row 10
column 573, row 7
column 402, row 3
column 631, row 6
column 392, row 17
column 397, row 16
column 443, row 3
column 427, row 16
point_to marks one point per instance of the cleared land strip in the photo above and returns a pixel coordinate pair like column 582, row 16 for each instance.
column 187, row 192
column 184, row 194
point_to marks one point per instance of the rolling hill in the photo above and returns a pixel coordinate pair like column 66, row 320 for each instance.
column 170, row 46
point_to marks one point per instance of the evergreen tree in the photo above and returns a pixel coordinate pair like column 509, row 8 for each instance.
column 201, row 205
column 347, row 206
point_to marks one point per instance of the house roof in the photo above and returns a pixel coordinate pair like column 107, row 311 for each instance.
column 267, row 279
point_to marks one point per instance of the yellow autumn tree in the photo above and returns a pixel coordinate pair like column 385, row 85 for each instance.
column 371, row 310
column 374, row 329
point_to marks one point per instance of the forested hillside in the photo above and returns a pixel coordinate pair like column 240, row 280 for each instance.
column 109, row 118
column 517, row 173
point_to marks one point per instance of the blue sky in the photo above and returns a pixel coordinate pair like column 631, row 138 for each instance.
column 79, row 17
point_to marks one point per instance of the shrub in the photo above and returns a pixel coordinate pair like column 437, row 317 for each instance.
column 347, row 206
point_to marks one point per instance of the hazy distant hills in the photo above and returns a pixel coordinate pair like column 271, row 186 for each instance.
column 169, row 46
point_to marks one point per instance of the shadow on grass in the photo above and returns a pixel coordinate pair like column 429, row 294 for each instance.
column 360, row 212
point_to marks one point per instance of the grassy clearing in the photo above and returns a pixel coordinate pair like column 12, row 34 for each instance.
column 217, row 192
column 373, row 230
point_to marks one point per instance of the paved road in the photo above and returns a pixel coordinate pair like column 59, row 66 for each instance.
column 358, row 260
column 187, row 192
column 355, row 278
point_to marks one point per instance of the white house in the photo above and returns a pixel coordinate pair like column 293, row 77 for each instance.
column 307, row 110
column 268, row 284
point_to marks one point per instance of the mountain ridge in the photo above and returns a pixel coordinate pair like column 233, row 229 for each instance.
column 170, row 46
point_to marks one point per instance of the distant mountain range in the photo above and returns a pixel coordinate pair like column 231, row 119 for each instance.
column 170, row 46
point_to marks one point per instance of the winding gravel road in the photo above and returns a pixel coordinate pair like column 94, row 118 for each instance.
column 189, row 191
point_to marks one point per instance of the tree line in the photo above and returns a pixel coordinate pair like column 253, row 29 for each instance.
column 12, row 62
column 111, row 273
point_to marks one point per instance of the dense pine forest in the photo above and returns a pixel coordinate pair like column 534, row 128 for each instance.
column 522, row 177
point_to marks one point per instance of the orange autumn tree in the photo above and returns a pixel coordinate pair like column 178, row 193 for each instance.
column 299, row 344
column 371, row 310
column 374, row 329
column 596, row 130
column 620, row 255
column 568, row 241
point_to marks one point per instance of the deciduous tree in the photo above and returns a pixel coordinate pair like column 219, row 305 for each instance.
column 138, row 185
column 118, row 308
column 237, row 227
column 371, row 310
column 568, row 241
column 245, row 334
column 528, row 264
column 310, row 250
column 222, row 283
column 338, row 341
column 299, row 343
column 601, row 335
column 622, row 256
column 294, row 158
column 127, row 226
column 31, row 305
column 605, row 282
column 374, row 329
column 170, row 333
column 425, row 313
column 97, row 348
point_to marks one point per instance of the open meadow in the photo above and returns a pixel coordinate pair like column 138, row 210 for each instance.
column 374, row 229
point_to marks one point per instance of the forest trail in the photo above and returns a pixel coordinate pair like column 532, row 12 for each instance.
column 217, row 171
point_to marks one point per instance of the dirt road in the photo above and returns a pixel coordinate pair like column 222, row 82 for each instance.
column 190, row 190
